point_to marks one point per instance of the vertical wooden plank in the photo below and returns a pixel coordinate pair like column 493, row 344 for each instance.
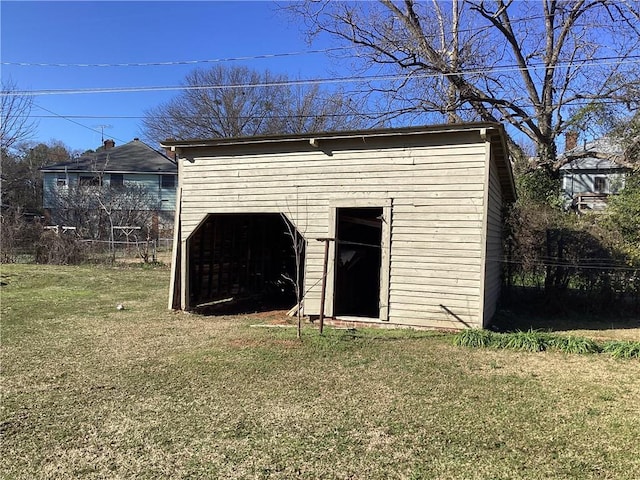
column 323, row 289
column 185, row 302
column 331, row 262
column 176, row 257
column 385, row 263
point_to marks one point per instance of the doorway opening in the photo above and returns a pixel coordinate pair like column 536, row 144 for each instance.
column 244, row 262
column 358, row 262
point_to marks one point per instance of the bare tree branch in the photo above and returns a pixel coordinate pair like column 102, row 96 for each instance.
column 264, row 107
column 530, row 65
column 15, row 110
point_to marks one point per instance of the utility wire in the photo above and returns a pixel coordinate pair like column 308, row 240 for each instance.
column 254, row 57
column 56, row 115
column 417, row 111
column 317, row 81
column 176, row 62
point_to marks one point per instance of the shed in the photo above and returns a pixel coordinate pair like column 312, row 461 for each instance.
column 413, row 218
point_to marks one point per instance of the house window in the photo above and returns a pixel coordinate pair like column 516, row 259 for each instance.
column 61, row 181
column 89, row 181
column 117, row 180
column 167, row 181
column 600, row 184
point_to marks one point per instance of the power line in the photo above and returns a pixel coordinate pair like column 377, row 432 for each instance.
column 419, row 110
column 73, row 121
column 218, row 60
column 254, row 57
column 317, row 81
column 175, row 62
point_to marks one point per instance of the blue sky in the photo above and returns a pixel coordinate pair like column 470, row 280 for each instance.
column 135, row 32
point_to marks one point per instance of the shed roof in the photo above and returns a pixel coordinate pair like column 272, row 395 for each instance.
column 132, row 157
column 493, row 132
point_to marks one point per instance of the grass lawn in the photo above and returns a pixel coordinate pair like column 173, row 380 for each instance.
column 89, row 391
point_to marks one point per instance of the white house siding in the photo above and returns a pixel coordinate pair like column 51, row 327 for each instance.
column 436, row 197
column 493, row 256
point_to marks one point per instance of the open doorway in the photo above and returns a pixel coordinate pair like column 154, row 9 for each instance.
column 358, row 262
column 241, row 262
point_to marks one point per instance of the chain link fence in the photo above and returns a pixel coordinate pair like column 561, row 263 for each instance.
column 23, row 241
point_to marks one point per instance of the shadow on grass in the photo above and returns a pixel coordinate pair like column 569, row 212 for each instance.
column 530, row 308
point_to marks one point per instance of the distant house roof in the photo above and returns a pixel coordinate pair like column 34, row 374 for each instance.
column 601, row 154
column 132, row 157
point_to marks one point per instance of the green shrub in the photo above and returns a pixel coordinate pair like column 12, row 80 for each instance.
column 623, row 216
column 536, row 341
column 573, row 344
column 529, row 341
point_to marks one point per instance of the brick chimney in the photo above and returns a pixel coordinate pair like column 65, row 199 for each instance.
column 570, row 140
column 109, row 144
column 167, row 151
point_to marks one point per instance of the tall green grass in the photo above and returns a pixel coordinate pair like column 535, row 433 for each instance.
column 536, row 341
column 619, row 349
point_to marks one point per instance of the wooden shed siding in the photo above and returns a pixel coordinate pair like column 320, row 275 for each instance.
column 493, row 268
column 437, row 215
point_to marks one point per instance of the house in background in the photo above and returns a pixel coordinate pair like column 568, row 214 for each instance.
column 591, row 173
column 406, row 223
column 134, row 165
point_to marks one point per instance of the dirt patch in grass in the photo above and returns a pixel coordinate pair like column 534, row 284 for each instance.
column 275, row 317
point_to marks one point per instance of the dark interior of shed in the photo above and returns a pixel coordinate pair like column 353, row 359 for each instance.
column 243, row 263
column 358, row 262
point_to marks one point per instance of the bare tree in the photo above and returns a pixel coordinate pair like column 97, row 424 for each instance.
column 237, row 101
column 299, row 243
column 21, row 179
column 308, row 109
column 527, row 64
column 94, row 207
column 628, row 131
column 15, row 110
column 603, row 118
